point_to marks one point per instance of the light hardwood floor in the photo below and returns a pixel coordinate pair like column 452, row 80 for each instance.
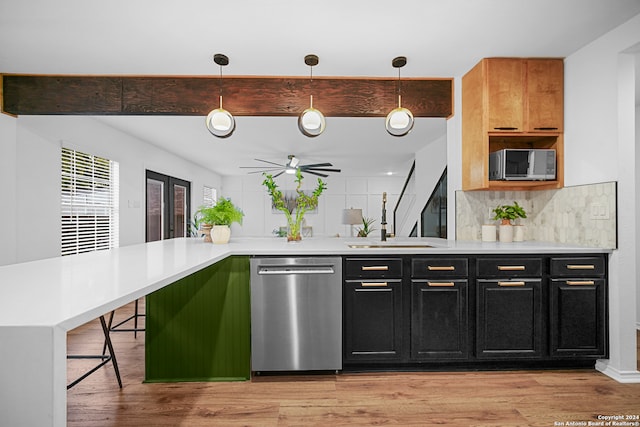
column 512, row 398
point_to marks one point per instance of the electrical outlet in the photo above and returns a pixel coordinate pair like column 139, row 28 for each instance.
column 599, row 212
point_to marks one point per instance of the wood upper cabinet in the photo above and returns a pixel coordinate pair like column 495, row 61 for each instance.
column 511, row 103
column 524, row 95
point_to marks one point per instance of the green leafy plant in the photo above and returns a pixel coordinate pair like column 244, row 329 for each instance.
column 224, row 212
column 304, row 202
column 366, row 227
column 506, row 213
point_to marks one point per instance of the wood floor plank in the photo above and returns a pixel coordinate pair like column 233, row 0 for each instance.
column 482, row 399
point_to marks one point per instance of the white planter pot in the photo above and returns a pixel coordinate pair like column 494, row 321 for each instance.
column 506, row 233
column 518, row 233
column 220, row 234
column 489, row 233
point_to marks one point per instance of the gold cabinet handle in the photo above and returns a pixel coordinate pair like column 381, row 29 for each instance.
column 511, row 267
column 374, row 284
column 441, row 284
column 443, row 268
column 375, row 268
column 511, row 283
column 580, row 282
column 581, row 267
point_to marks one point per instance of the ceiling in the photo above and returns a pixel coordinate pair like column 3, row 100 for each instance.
column 270, row 38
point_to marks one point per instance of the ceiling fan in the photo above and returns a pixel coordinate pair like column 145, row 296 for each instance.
column 291, row 166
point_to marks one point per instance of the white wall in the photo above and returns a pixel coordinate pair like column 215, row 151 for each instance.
column 8, row 210
column 600, row 146
column 37, row 168
column 342, row 193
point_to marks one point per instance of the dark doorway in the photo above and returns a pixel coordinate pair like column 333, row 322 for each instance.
column 168, row 207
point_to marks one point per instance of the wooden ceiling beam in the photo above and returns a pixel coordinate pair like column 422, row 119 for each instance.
column 242, row 95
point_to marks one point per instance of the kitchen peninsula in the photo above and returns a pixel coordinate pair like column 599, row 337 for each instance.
column 40, row 301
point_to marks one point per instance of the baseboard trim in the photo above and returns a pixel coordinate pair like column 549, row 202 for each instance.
column 626, row 377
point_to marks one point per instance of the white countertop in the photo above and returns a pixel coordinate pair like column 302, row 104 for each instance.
column 67, row 292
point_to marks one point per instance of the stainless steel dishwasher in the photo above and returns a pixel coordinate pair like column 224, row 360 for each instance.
column 296, row 314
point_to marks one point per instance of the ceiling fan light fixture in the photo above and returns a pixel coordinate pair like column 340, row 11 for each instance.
column 399, row 121
column 219, row 121
column 311, row 122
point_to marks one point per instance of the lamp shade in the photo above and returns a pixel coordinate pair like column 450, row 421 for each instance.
column 220, row 123
column 352, row 216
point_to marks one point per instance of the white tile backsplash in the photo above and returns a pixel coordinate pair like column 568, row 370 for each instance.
column 583, row 215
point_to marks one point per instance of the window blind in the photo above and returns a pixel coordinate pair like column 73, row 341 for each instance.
column 89, row 203
column 209, row 196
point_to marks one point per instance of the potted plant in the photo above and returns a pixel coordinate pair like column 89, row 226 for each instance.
column 366, row 227
column 218, row 218
column 507, row 213
column 304, row 203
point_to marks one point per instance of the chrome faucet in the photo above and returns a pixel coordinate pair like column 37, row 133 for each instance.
column 383, row 223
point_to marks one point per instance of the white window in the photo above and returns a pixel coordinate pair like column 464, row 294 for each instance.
column 90, row 208
column 209, row 196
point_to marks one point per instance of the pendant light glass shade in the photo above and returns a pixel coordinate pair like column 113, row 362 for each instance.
column 399, row 121
column 311, row 122
column 219, row 121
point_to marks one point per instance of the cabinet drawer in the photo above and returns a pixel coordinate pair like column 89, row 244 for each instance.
column 509, row 267
column 439, row 267
column 373, row 267
column 578, row 266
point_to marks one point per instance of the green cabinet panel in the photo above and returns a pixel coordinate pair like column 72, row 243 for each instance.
column 198, row 328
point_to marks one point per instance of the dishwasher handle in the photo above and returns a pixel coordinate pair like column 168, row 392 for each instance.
column 293, row 269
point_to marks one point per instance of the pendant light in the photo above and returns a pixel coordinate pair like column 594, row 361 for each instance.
column 311, row 122
column 220, row 122
column 400, row 120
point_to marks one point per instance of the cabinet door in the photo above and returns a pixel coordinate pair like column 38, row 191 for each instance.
column 372, row 320
column 439, row 326
column 578, row 318
column 509, row 319
column 545, row 95
column 505, row 94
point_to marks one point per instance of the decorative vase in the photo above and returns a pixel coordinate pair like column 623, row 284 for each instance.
column 206, row 230
column 220, row 234
column 518, row 233
column 294, row 237
column 506, row 232
column 489, row 233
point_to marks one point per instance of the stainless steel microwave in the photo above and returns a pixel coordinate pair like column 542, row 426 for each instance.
column 513, row 164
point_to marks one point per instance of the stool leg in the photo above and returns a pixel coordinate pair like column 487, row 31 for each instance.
column 107, row 339
column 104, row 345
column 135, row 321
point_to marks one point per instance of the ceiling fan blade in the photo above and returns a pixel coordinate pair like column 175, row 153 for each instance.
column 266, row 170
column 260, row 167
column 278, row 174
column 315, row 173
column 267, row 161
column 321, row 169
column 315, row 164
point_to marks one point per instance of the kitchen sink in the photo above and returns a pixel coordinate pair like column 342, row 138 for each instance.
column 390, row 245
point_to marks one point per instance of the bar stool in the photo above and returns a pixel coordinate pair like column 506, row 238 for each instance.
column 105, row 358
column 118, row 327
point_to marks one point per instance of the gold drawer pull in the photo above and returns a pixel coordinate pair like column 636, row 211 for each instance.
column 580, row 282
column 372, row 284
column 511, row 283
column 511, row 267
column 443, row 268
column 441, row 284
column 375, row 268
column 581, row 267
